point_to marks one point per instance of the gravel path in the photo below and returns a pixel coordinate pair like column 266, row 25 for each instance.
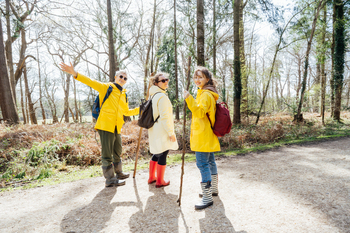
column 304, row 188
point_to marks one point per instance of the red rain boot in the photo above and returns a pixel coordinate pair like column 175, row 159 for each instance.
column 152, row 171
column 160, row 176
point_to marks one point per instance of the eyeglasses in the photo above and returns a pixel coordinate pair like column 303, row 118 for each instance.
column 163, row 80
column 121, row 77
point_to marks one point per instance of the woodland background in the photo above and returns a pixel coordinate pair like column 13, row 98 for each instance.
column 283, row 70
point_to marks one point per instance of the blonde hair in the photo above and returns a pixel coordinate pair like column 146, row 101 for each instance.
column 207, row 74
column 154, row 79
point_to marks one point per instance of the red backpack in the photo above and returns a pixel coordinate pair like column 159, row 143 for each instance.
column 223, row 122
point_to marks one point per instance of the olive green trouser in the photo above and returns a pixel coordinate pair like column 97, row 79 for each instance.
column 111, row 144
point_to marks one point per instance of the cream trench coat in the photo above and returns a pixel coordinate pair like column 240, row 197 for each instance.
column 160, row 132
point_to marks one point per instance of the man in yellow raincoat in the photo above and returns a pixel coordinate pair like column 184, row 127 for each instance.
column 109, row 122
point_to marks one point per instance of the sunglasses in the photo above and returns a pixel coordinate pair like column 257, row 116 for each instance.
column 121, row 77
column 163, row 80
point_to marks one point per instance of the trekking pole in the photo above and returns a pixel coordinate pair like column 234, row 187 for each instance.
column 184, row 132
column 137, row 151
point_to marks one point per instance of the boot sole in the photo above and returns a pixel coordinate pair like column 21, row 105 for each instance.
column 159, row 186
column 115, row 184
column 120, row 184
column 151, row 182
column 123, row 177
column 203, row 206
column 214, row 194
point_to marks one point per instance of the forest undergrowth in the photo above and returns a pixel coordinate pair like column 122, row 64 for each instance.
column 31, row 153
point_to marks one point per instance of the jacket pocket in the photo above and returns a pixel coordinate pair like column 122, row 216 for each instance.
column 198, row 126
column 108, row 115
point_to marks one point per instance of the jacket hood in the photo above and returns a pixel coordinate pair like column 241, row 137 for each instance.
column 212, row 90
column 154, row 89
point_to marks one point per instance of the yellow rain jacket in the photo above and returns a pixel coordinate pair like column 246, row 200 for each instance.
column 114, row 108
column 203, row 138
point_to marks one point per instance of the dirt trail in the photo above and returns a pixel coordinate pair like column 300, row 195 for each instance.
column 291, row 189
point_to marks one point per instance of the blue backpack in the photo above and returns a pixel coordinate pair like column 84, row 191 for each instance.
column 96, row 106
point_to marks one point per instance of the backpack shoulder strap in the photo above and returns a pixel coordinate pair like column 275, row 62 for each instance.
column 155, row 94
column 211, row 125
column 151, row 99
column 109, row 91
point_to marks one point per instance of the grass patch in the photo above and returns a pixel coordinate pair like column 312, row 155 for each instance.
column 53, row 177
column 264, row 147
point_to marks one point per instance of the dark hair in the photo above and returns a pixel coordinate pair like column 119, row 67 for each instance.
column 207, row 74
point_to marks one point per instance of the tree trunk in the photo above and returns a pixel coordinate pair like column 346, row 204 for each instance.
column 348, row 94
column 299, row 77
column 323, row 94
column 339, row 56
column 40, row 91
column 52, row 104
column 177, row 109
column 149, row 49
column 22, row 57
column 200, row 33
column 331, row 84
column 7, row 103
column 51, row 101
column 244, row 73
column 152, row 56
column 110, row 43
column 75, row 102
column 299, row 117
column 332, row 52
column 214, row 37
column 323, row 63
column 31, row 109
column 81, row 117
column 66, row 99
column 307, row 99
column 277, row 90
column 317, row 83
column 22, row 104
column 273, row 93
column 237, row 65
column 8, row 50
column 73, row 116
column 288, row 84
column 27, row 107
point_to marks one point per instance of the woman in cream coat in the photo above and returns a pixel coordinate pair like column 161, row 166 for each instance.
column 161, row 136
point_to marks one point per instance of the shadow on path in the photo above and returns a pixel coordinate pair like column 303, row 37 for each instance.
column 161, row 213
column 92, row 217
column 215, row 219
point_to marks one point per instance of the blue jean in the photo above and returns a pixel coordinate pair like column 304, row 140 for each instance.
column 206, row 165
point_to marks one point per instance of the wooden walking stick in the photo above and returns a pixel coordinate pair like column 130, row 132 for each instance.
column 137, row 152
column 140, row 134
column 184, row 132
